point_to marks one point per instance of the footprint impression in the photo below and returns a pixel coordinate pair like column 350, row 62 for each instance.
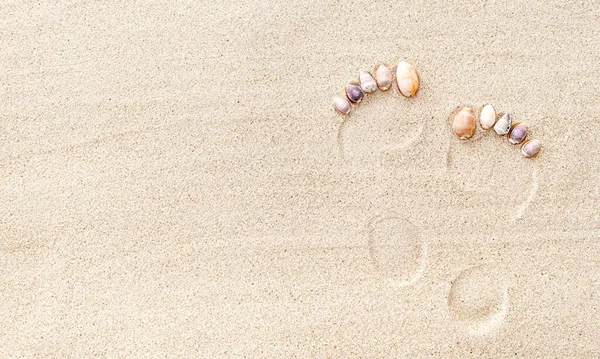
column 478, row 299
column 480, row 167
column 398, row 249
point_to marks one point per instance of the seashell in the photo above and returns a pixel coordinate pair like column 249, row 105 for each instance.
column 487, row 118
column 531, row 148
column 354, row 93
column 383, row 77
column 517, row 133
column 407, row 79
column 503, row 125
column 464, row 123
column 367, row 82
column 341, row 105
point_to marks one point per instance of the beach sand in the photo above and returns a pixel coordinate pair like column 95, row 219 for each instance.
column 174, row 182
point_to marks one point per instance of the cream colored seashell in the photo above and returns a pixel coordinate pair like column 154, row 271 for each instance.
column 383, row 77
column 407, row 79
column 531, row 148
column 464, row 124
column 503, row 125
column 487, row 118
column 367, row 82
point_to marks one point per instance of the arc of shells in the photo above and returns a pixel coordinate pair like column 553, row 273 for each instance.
column 464, row 123
column 464, row 126
column 407, row 81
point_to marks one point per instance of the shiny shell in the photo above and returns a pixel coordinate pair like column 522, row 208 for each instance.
column 517, row 133
column 383, row 77
column 407, row 79
column 503, row 125
column 487, row 118
column 341, row 105
column 354, row 93
column 531, row 148
column 464, row 123
column 367, row 82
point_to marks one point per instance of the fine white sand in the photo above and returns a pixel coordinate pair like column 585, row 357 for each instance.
column 174, row 182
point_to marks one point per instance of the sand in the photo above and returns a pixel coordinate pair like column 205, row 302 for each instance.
column 175, row 184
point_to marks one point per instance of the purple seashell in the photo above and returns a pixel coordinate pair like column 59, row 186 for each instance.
column 341, row 105
column 531, row 148
column 354, row 93
column 517, row 133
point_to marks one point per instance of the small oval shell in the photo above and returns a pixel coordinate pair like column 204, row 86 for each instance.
column 503, row 125
column 354, row 93
column 407, row 79
column 531, row 148
column 383, row 77
column 367, row 82
column 517, row 133
column 464, row 123
column 487, row 118
column 341, row 105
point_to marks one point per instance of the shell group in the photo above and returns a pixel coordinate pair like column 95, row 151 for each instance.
column 464, row 123
column 407, row 80
column 464, row 127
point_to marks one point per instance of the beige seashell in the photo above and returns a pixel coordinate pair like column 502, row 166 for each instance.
column 407, row 79
column 383, row 77
column 464, row 124
column 487, row 118
column 367, row 82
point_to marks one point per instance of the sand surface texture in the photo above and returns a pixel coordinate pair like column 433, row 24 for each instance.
column 175, row 183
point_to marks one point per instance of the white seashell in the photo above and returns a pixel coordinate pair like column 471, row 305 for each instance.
column 531, row 148
column 464, row 124
column 383, row 77
column 341, row 105
column 487, row 118
column 503, row 125
column 407, row 79
column 367, row 82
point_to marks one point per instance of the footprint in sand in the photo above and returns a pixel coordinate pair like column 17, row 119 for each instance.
column 398, row 249
column 478, row 166
column 365, row 137
column 478, row 300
